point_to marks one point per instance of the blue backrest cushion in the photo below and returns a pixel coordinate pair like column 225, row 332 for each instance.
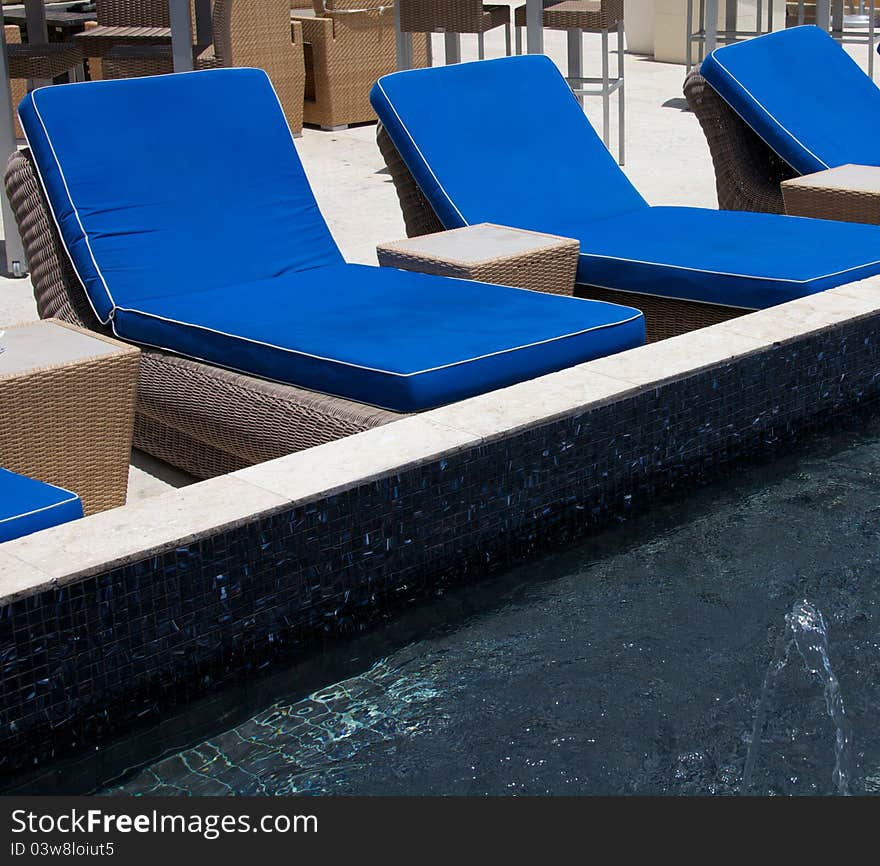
column 502, row 141
column 174, row 183
column 803, row 95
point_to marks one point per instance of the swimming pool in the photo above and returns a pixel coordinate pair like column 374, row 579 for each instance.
column 630, row 663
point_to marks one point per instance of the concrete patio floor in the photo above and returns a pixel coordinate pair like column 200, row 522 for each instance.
column 667, row 160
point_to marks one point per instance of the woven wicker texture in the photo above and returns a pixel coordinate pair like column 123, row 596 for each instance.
column 48, row 60
column 747, row 172
column 451, row 16
column 664, row 317
column 587, row 15
column 550, row 268
column 845, row 205
column 71, row 425
column 217, row 419
column 418, row 215
column 250, row 33
column 345, row 53
column 133, row 13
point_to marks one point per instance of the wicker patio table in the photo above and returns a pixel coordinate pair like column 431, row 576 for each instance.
column 490, row 254
column 67, row 399
column 849, row 193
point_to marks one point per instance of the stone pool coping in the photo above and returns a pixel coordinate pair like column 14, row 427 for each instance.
column 66, row 554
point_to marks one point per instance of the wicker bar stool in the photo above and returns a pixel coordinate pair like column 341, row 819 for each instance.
column 589, row 16
column 730, row 33
column 455, row 17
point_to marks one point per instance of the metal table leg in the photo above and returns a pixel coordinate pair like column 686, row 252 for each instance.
column 181, row 35
column 453, row 48
column 15, row 263
column 37, row 31
column 576, row 60
column 403, row 42
column 204, row 29
column 711, row 42
column 730, row 16
column 534, row 27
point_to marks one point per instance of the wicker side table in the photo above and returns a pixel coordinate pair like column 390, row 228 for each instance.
column 67, row 399
column 490, row 254
column 849, row 193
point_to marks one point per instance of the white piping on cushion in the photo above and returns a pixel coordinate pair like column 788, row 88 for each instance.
column 754, row 99
column 727, row 274
column 418, row 150
column 462, row 362
column 55, row 218
column 73, row 498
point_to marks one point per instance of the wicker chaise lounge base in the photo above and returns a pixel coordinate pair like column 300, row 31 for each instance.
column 748, row 173
column 202, row 419
column 664, row 317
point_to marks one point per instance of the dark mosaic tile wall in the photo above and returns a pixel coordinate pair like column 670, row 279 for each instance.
column 84, row 662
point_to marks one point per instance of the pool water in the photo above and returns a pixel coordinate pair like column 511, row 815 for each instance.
column 630, row 664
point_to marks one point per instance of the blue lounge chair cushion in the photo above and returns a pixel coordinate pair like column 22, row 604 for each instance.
column 502, row 141
column 193, row 229
column 550, row 172
column 748, row 260
column 382, row 336
column 28, row 506
column 803, row 95
column 155, row 198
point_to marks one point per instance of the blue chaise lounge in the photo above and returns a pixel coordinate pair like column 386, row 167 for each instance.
column 193, row 229
column 803, row 95
column 551, row 173
column 782, row 105
column 27, row 505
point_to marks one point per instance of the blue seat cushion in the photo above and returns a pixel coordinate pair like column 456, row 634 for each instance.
column 396, row 339
column 525, row 155
column 733, row 258
column 156, row 184
column 803, row 95
column 501, row 141
column 28, row 506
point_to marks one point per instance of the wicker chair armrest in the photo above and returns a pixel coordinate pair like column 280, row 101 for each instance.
column 296, row 32
column 747, row 172
column 315, row 29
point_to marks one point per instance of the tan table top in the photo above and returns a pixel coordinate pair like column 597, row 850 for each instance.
column 478, row 243
column 39, row 345
column 854, row 178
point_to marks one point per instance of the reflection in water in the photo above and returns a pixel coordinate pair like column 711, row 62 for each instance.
column 279, row 751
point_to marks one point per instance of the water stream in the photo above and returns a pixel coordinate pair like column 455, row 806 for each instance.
column 805, row 631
